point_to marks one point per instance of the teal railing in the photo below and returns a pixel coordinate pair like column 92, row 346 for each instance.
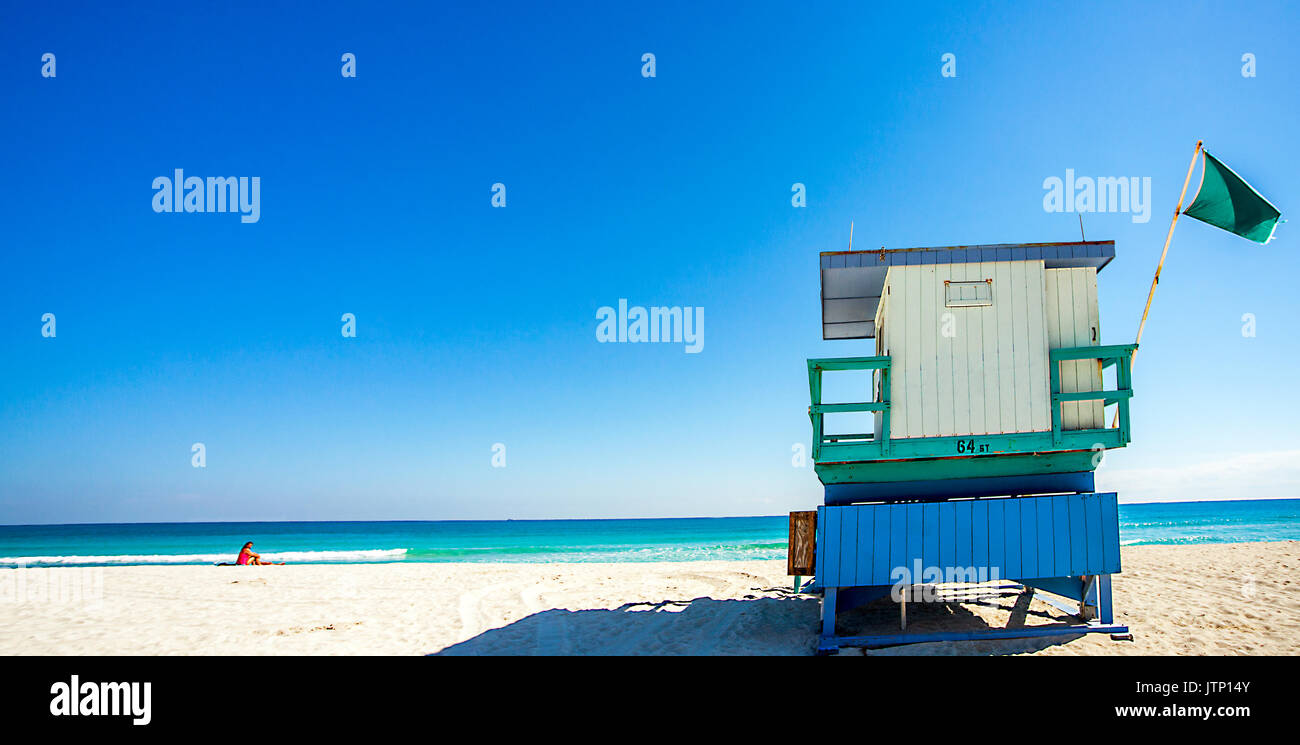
column 862, row 444
column 1115, row 354
column 841, row 448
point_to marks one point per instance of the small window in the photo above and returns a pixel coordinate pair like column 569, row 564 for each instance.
column 968, row 294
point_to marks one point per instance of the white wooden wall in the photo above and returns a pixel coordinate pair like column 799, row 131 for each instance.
column 1073, row 321
column 984, row 370
column 990, row 375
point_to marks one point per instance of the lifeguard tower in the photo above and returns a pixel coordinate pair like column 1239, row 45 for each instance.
column 987, row 416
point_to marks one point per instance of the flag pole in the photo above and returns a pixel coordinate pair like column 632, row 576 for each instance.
column 1156, row 279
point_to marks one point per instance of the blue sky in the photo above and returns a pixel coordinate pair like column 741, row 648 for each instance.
column 476, row 325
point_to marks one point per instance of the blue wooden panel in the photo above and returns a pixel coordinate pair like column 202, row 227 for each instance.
column 1078, row 535
column 1093, row 527
column 880, row 558
column 915, row 539
column 820, row 547
column 848, row 548
column 866, row 538
column 963, row 539
column 1043, row 520
column 1024, row 538
column 997, row 537
column 1110, row 533
column 1011, row 546
column 979, row 527
column 1060, row 534
column 947, row 536
column 830, row 565
column 897, row 538
column 930, row 531
column 1028, row 538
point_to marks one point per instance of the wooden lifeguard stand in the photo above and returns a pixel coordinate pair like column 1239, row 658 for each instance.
column 986, row 409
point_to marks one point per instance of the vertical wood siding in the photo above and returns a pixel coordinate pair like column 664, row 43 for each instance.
column 1072, row 321
column 1019, row 538
column 989, row 375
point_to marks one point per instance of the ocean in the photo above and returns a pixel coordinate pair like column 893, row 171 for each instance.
column 682, row 539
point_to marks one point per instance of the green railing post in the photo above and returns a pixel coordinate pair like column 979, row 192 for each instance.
column 815, row 389
column 1055, row 367
column 817, row 409
column 884, row 415
column 1124, row 381
column 1120, row 355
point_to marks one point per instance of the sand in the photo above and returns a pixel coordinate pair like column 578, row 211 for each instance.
column 1212, row 599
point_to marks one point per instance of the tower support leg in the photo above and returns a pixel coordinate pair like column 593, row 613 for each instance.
column 1105, row 611
column 1088, row 605
column 828, row 611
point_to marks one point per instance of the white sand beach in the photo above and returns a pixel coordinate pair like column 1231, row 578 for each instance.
column 1184, row 600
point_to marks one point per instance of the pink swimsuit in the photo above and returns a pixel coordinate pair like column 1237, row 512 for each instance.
column 243, row 558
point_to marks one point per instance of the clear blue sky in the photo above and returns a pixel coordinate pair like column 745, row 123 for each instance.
column 477, row 325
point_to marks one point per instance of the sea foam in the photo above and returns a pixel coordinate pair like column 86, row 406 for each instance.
column 380, row 554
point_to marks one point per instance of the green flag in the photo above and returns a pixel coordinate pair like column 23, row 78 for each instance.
column 1226, row 201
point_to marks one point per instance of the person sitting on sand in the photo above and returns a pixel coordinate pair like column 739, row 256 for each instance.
column 248, row 558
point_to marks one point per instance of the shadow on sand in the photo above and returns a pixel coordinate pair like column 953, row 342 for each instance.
column 882, row 617
column 757, row 626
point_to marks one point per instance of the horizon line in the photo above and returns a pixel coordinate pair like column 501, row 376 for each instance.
column 555, row 519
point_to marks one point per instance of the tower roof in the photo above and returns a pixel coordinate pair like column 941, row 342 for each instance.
column 852, row 280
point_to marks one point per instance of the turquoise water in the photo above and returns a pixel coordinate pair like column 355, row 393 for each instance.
column 1178, row 523
column 686, row 539
column 338, row 542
